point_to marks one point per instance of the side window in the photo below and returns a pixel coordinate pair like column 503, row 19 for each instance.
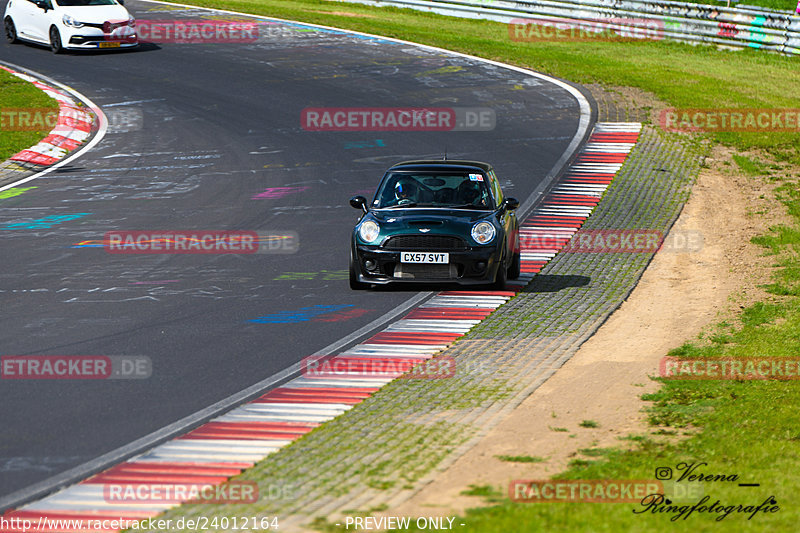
column 496, row 191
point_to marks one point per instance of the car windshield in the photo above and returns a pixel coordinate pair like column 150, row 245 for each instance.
column 456, row 190
column 79, row 3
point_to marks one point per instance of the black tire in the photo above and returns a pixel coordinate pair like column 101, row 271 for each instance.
column 11, row 31
column 500, row 279
column 354, row 283
column 55, row 41
column 516, row 266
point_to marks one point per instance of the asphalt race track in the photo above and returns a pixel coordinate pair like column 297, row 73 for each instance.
column 208, row 137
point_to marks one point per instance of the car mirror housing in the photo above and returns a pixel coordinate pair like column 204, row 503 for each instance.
column 359, row 202
column 510, row 204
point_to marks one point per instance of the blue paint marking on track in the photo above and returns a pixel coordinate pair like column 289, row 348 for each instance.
column 364, row 144
column 304, row 314
column 43, row 223
column 304, row 27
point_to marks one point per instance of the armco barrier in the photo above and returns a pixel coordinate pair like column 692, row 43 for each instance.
column 696, row 23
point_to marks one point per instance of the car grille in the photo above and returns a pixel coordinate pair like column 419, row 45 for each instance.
column 424, row 242
column 107, row 26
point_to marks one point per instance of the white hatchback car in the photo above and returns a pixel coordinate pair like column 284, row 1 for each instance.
column 70, row 24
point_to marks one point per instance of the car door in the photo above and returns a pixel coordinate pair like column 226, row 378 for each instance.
column 22, row 15
column 27, row 17
column 40, row 21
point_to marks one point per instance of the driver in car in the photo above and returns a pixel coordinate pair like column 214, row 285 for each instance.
column 405, row 191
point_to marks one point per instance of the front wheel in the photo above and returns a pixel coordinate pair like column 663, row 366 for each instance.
column 55, row 41
column 500, row 278
column 11, row 31
column 516, row 266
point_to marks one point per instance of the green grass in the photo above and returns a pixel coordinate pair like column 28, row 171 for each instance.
column 752, row 167
column 595, row 452
column 17, row 93
column 778, row 5
column 485, row 491
column 521, row 458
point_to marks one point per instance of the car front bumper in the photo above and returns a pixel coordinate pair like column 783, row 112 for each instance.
column 475, row 266
column 88, row 38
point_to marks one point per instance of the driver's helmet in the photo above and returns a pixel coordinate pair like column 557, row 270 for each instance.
column 405, row 189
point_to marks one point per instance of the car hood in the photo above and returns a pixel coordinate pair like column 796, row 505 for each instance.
column 96, row 14
column 437, row 221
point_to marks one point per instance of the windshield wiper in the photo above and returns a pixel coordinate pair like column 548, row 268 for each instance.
column 412, row 204
column 467, row 206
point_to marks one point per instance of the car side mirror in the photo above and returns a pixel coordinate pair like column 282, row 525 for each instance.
column 359, row 202
column 510, row 204
column 121, row 2
column 42, row 4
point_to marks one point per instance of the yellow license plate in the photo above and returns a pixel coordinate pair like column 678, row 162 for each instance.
column 108, row 45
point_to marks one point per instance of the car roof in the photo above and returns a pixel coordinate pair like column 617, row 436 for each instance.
column 441, row 164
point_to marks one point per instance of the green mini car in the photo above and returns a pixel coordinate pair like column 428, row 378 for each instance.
column 436, row 222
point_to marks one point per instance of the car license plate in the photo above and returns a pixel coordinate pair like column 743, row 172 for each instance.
column 108, row 45
column 425, row 257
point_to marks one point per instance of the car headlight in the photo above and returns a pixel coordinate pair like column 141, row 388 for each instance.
column 71, row 21
column 483, row 232
column 369, row 231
